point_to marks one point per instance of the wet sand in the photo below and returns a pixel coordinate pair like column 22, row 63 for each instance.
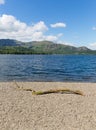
column 20, row 110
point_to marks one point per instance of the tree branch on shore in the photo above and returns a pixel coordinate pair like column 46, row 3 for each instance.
column 61, row 91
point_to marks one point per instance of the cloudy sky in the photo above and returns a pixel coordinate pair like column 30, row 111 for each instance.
column 63, row 21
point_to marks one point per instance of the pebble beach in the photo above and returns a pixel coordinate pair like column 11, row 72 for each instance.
column 20, row 110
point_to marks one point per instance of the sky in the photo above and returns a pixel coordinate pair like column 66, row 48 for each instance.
column 71, row 22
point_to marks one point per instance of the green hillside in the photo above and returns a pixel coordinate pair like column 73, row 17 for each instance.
column 8, row 46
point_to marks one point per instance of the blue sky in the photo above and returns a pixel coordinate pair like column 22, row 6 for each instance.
column 70, row 22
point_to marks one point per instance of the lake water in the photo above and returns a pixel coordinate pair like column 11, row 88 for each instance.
column 48, row 68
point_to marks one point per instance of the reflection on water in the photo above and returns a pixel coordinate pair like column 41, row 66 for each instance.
column 48, row 68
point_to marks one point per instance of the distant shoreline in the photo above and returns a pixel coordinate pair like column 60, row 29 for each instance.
column 11, row 46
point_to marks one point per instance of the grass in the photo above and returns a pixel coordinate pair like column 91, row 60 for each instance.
column 65, row 90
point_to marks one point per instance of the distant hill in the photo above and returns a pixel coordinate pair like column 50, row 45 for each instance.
column 9, row 42
column 10, row 46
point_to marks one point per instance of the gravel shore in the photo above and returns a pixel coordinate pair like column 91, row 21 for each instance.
column 20, row 110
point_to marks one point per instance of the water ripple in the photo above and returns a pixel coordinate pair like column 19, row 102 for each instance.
column 48, row 68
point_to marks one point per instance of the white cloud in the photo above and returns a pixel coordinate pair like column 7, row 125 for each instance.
column 60, row 35
column 40, row 26
column 66, row 43
column 92, row 46
column 12, row 28
column 2, row 1
column 54, row 38
column 94, row 28
column 9, row 23
column 58, row 25
column 51, row 38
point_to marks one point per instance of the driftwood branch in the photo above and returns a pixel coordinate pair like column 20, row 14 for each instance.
column 65, row 90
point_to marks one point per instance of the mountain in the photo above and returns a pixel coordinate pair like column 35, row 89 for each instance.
column 10, row 46
column 9, row 42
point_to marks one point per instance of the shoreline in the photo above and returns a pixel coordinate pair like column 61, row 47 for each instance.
column 20, row 110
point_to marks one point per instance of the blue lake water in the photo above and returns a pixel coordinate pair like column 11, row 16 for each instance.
column 48, row 68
